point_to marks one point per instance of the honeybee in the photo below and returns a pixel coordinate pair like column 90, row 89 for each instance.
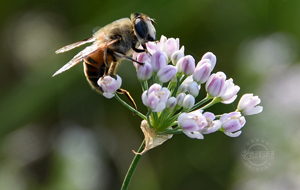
column 112, row 43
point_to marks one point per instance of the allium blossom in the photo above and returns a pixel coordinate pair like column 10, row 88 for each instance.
column 186, row 65
column 156, row 97
column 169, row 46
column 171, row 103
column 212, row 124
column 191, row 123
column 248, row 104
column 145, row 72
column 166, row 73
column 188, row 102
column 159, row 60
column 171, row 83
column 195, row 124
column 232, row 123
column 213, row 59
column 109, row 85
column 231, row 92
column 177, row 55
column 215, row 85
column 202, row 71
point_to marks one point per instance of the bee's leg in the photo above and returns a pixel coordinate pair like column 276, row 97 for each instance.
column 123, row 91
column 138, row 50
column 126, row 57
column 112, row 69
column 141, row 50
column 105, row 61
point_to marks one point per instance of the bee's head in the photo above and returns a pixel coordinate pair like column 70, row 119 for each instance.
column 143, row 27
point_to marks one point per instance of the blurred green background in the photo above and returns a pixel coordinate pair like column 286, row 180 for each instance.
column 57, row 133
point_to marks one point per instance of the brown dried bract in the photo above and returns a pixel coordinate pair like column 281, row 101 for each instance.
column 151, row 137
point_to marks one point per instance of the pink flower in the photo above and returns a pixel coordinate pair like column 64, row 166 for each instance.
column 109, row 85
column 156, row 97
column 232, row 123
column 152, row 47
column 169, row 46
column 192, row 123
column 212, row 124
column 195, row 124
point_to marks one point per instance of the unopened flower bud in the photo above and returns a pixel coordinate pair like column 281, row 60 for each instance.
column 188, row 102
column 215, row 85
column 166, row 73
column 145, row 72
column 158, row 60
column 212, row 58
column 177, row 55
column 202, row 71
column 180, row 98
column 193, row 88
column 171, row 103
column 186, row 65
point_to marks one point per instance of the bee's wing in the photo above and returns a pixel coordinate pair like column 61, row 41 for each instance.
column 83, row 54
column 74, row 45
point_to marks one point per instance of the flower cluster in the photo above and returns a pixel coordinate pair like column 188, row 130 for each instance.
column 171, row 82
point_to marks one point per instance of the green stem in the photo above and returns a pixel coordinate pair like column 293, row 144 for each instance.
column 201, row 102
column 214, row 101
column 177, row 86
column 132, row 167
column 129, row 107
column 144, row 85
column 148, row 117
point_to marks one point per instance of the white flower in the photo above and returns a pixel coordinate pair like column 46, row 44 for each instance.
column 248, row 104
column 231, row 91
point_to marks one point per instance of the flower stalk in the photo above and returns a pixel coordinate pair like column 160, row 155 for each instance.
column 132, row 167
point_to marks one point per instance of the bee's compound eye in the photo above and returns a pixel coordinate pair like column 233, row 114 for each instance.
column 141, row 28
